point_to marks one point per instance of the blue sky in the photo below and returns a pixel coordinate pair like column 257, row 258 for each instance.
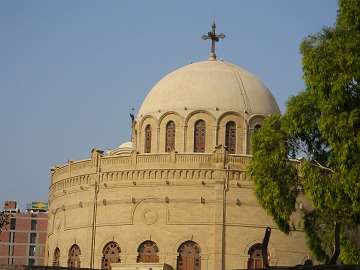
column 70, row 71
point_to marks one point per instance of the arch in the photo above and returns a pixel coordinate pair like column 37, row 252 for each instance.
column 169, row 113
column 56, row 258
column 170, row 136
column 74, row 256
column 189, row 256
column 234, row 114
column 193, row 113
column 147, row 143
column 111, row 254
column 199, row 136
column 147, row 252
column 255, row 259
column 230, row 137
column 145, row 118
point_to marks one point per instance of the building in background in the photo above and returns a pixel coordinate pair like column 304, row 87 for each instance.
column 22, row 242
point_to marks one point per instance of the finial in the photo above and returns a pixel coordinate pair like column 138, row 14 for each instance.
column 214, row 38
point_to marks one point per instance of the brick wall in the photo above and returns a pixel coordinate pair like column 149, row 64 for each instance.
column 4, row 249
column 20, row 250
column 21, row 237
column 41, row 225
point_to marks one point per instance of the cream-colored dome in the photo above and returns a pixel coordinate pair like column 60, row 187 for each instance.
column 210, row 85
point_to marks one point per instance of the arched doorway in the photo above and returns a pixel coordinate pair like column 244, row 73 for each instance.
column 189, row 256
column 74, row 257
column 111, row 254
column 56, row 258
column 255, row 256
column 147, row 252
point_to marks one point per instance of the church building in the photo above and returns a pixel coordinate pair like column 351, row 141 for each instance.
column 178, row 194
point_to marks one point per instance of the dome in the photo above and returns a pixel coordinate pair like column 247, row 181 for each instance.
column 212, row 86
column 124, row 148
column 126, row 145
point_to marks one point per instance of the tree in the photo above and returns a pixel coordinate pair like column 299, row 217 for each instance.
column 314, row 148
column 4, row 220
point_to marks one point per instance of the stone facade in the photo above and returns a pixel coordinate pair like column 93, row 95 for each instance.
column 205, row 200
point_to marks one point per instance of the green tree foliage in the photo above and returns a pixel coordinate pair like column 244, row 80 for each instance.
column 321, row 126
column 4, row 220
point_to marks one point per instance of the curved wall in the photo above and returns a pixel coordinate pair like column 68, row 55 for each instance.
column 167, row 198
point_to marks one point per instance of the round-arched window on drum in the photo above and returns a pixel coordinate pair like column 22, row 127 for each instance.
column 230, row 137
column 56, row 258
column 147, row 148
column 111, row 254
column 189, row 256
column 255, row 260
column 74, row 257
column 199, row 136
column 147, row 252
column 170, row 136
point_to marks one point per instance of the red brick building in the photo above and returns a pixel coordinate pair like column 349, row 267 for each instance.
column 22, row 242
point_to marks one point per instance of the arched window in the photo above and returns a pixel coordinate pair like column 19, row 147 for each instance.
column 199, row 136
column 189, row 256
column 74, row 257
column 230, row 137
column 147, row 252
column 257, row 127
column 170, row 136
column 56, row 258
column 255, row 257
column 111, row 254
column 147, row 139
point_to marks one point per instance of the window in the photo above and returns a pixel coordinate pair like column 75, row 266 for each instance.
column 111, row 254
column 56, row 259
column 74, row 259
column 147, row 139
column 230, row 137
column 12, row 223
column 32, row 238
column 32, row 250
column 257, row 127
column 31, row 262
column 189, row 256
column 199, row 136
column 33, row 224
column 255, row 257
column 148, row 252
column 170, row 136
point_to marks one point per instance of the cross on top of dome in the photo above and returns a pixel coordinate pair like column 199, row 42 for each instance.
column 214, row 38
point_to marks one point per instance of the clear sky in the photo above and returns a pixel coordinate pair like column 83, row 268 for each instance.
column 70, row 71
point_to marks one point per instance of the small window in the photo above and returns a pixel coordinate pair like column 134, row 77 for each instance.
column 257, row 127
column 32, row 250
column 199, row 136
column 230, row 137
column 255, row 260
column 31, row 262
column 147, row 139
column 33, row 224
column 32, row 238
column 56, row 260
column 12, row 223
column 170, row 136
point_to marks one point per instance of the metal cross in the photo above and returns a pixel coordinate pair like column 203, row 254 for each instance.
column 214, row 38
